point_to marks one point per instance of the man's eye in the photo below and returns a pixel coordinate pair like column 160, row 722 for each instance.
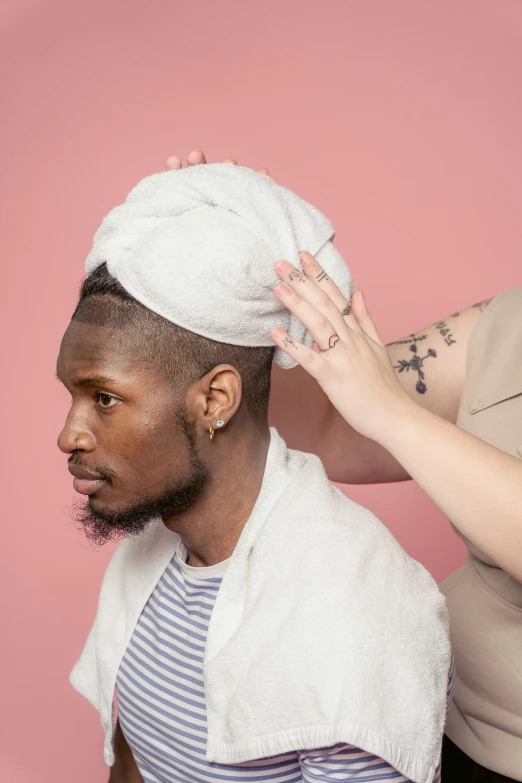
column 107, row 400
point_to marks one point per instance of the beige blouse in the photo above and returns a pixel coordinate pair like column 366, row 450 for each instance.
column 485, row 604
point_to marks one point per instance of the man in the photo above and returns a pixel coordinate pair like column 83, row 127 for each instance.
column 255, row 624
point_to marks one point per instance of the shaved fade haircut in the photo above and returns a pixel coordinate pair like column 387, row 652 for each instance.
column 182, row 355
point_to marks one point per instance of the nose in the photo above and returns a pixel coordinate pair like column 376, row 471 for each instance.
column 76, row 435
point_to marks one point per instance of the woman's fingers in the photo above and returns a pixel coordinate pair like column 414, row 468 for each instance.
column 324, row 334
column 314, row 272
column 196, row 158
column 173, row 163
column 311, row 292
column 308, row 359
column 363, row 317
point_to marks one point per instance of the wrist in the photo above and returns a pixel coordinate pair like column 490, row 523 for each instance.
column 401, row 426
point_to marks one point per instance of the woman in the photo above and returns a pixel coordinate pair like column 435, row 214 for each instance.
column 389, row 414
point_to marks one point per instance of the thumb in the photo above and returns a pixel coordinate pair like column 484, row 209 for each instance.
column 363, row 317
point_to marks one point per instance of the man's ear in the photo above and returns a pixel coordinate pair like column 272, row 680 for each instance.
column 215, row 398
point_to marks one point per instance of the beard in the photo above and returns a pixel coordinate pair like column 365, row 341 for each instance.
column 102, row 526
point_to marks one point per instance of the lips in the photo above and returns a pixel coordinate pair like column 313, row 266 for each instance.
column 87, row 487
column 85, row 482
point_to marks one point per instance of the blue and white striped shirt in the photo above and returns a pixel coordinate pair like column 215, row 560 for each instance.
column 161, row 700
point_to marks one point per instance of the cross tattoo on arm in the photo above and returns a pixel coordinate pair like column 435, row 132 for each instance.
column 416, row 363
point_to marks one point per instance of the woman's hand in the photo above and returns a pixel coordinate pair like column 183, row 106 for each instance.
column 196, row 158
column 349, row 360
column 477, row 486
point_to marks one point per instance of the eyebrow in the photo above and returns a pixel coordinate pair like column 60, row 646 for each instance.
column 88, row 380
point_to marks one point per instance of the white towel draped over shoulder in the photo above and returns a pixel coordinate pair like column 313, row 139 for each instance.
column 324, row 630
column 198, row 247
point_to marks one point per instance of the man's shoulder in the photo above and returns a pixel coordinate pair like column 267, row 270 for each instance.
column 323, row 533
column 315, row 501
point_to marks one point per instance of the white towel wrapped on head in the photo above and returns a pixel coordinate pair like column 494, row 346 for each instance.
column 198, row 247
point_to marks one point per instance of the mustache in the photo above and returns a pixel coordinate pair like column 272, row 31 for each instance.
column 103, row 473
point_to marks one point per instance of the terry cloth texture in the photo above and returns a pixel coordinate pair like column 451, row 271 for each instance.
column 324, row 630
column 198, row 247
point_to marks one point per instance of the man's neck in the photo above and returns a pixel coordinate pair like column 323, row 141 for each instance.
column 211, row 528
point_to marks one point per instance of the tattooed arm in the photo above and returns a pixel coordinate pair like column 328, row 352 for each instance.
column 472, row 482
column 430, row 365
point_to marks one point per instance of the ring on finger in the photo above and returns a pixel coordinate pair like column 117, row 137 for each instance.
column 332, row 340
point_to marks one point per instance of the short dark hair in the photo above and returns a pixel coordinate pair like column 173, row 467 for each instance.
column 175, row 350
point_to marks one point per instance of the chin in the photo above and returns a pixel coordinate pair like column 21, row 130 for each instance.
column 110, row 503
column 100, row 504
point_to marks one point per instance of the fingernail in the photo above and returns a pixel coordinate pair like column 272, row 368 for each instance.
column 305, row 257
column 283, row 266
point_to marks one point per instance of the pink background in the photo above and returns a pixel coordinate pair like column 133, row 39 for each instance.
column 401, row 120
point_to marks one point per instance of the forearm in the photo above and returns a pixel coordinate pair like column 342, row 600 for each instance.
column 313, row 424
column 429, row 365
column 351, row 458
column 125, row 769
column 477, row 486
